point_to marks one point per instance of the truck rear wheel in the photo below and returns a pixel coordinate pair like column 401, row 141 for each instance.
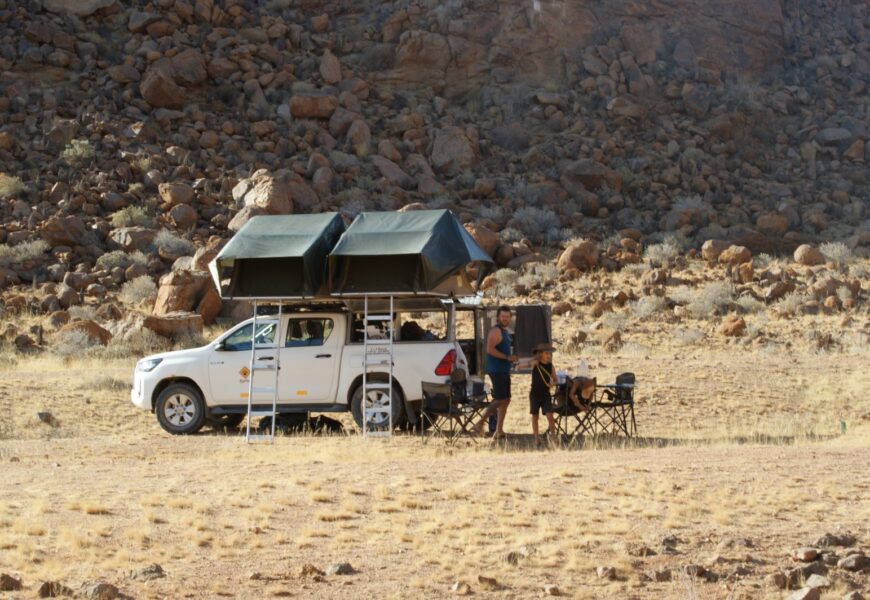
column 180, row 409
column 378, row 399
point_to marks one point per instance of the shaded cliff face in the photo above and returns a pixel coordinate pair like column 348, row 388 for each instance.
column 457, row 46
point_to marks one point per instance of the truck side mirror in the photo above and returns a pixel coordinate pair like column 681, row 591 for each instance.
column 220, row 345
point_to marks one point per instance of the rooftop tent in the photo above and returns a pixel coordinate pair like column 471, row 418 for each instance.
column 415, row 252
column 281, row 256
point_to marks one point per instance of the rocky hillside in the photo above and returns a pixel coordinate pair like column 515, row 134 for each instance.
column 134, row 135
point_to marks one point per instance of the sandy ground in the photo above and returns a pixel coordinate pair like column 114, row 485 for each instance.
column 744, row 454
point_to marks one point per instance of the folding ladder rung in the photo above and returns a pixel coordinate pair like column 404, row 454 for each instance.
column 263, row 390
column 379, row 342
column 377, row 363
column 377, row 386
column 261, row 413
column 378, row 318
column 264, row 367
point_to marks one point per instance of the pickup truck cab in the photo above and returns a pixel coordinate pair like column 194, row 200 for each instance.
column 319, row 353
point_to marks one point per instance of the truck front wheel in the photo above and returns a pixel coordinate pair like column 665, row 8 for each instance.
column 377, row 400
column 180, row 409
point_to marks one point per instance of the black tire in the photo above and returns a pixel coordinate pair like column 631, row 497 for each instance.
column 221, row 422
column 397, row 407
column 180, row 409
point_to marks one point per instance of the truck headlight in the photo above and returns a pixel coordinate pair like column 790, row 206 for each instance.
column 145, row 366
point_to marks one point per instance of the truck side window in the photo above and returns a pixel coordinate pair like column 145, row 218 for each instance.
column 240, row 339
column 308, row 332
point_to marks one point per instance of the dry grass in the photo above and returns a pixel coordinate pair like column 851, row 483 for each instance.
column 738, row 440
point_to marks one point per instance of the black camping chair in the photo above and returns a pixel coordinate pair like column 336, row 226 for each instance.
column 614, row 411
column 448, row 410
column 572, row 422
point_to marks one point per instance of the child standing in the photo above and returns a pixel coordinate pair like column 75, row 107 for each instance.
column 543, row 387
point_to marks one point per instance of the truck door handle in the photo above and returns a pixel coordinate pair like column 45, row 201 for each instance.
column 266, row 358
column 323, row 356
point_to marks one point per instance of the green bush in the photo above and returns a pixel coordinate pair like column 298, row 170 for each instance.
column 119, row 258
column 78, row 151
column 174, row 245
column 22, row 252
column 131, row 216
column 10, row 186
column 138, row 290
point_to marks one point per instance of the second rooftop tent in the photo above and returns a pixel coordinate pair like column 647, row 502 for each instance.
column 415, row 252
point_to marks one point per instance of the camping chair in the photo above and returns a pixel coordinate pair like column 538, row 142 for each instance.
column 572, row 423
column 614, row 412
column 448, row 410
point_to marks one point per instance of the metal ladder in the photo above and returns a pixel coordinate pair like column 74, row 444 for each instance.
column 255, row 366
column 373, row 356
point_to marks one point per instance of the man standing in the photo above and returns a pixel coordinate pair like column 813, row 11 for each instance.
column 499, row 361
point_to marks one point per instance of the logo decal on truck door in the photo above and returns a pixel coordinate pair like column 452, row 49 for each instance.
column 244, row 372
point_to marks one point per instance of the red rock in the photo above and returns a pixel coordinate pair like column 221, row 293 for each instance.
column 174, row 325
column 735, row 255
column 97, row 334
column 711, row 249
column 309, row 106
column 733, row 326
column 175, row 193
column 63, row 231
column 453, row 152
column 808, row 255
column 582, row 256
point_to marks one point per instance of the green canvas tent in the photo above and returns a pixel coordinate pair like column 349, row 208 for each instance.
column 281, row 256
column 415, row 252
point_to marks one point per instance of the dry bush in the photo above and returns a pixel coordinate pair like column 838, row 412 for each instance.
column 687, row 337
column 68, row 344
column 131, row 216
column 119, row 258
column 138, row 290
column 538, row 223
column 714, row 298
column 82, row 312
column 137, row 344
column 10, row 186
column 22, row 252
column 78, row 151
column 540, row 274
column 793, row 302
column 509, row 235
column 837, row 253
column 492, row 213
column 504, row 282
column 664, row 253
column 647, row 306
column 749, row 304
column 174, row 245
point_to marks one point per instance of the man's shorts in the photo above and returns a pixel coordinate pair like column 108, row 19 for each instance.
column 501, row 385
column 540, row 404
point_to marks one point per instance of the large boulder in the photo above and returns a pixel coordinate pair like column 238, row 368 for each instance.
column 181, row 291
column 243, row 216
column 313, row 106
column 392, row 173
column 63, row 231
column 174, row 325
column 97, row 334
column 487, row 239
column 78, row 8
column 582, row 256
column 175, row 193
column 158, row 87
column 129, row 239
column 588, row 174
column 735, row 255
column 808, row 255
column 453, row 151
column 188, row 67
column 265, row 191
column 711, row 249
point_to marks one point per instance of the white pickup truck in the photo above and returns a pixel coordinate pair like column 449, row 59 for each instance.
column 320, row 352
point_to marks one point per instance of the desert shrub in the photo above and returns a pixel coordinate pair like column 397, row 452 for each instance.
column 493, row 213
column 78, row 150
column 136, row 344
column 844, row 293
column 536, row 223
column 687, row 337
column 131, row 216
column 22, row 252
column 509, row 235
column 712, row 299
column 174, row 245
column 837, row 253
column 119, row 258
column 859, row 271
column 615, row 320
column 10, row 186
column 647, row 306
column 540, row 274
column 138, row 290
column 793, row 302
column 748, row 304
column 504, row 282
column 82, row 312
column 68, row 344
column 662, row 254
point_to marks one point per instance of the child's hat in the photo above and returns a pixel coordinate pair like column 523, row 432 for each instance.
column 543, row 348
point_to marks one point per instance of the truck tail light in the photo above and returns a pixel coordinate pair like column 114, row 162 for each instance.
column 445, row 367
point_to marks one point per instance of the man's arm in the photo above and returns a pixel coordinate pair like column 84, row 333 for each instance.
column 493, row 340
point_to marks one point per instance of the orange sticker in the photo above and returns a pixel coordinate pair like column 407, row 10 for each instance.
column 245, row 372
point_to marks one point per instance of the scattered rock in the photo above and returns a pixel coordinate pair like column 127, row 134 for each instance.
column 309, row 571
column 608, row 573
column 552, row 589
column 808, row 255
column 853, row 562
column 806, row 593
column 488, row 583
column 582, row 256
column 662, row 575
column 830, row 539
column 92, row 330
column 805, row 554
column 8, row 583
column 152, row 571
column 817, row 581
column 100, row 591
column 54, row 589
column 711, row 249
column 342, row 568
column 460, row 588
column 735, row 255
column 733, row 326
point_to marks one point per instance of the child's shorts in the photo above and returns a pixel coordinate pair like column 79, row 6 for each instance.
column 540, row 404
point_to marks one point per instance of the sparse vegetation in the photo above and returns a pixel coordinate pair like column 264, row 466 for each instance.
column 837, row 253
column 11, row 186
column 131, row 216
column 119, row 258
column 662, row 254
column 22, row 252
column 537, row 223
column 69, row 344
column 137, row 291
column 714, row 298
column 793, row 302
column 78, row 151
column 171, row 244
column 648, row 306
